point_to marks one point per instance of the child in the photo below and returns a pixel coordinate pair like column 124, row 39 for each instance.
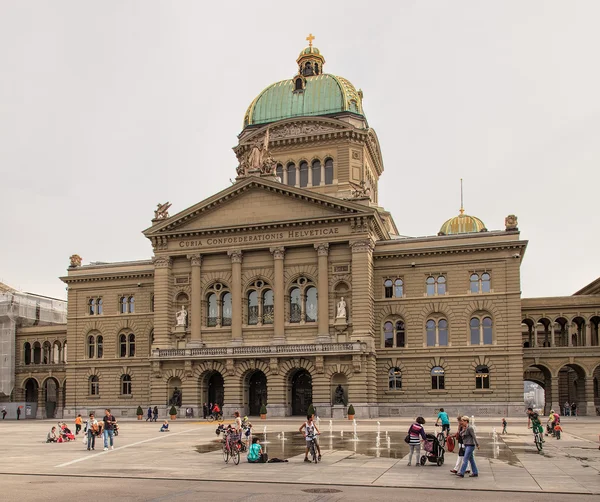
column 255, row 454
column 78, row 421
column 504, row 424
column 557, row 431
column 52, row 437
column 165, row 426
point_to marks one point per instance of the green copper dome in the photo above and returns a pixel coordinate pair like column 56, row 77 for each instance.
column 322, row 95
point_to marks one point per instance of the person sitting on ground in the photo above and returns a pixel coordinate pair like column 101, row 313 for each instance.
column 52, row 436
column 255, row 453
column 165, row 426
column 310, row 432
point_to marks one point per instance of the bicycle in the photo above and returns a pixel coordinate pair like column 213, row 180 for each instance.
column 231, row 447
column 312, row 449
column 215, row 416
column 538, row 439
column 440, row 436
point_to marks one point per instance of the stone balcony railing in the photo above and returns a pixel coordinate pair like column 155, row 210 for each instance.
column 262, row 350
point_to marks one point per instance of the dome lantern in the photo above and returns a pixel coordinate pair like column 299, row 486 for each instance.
column 463, row 223
column 310, row 61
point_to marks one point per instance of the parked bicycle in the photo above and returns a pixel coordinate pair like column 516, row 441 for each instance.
column 232, row 446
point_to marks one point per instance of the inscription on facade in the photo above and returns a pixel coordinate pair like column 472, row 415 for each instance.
column 253, row 239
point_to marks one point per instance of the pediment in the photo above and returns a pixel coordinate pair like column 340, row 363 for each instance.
column 254, row 202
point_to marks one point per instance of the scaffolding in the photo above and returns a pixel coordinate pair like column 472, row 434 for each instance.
column 22, row 310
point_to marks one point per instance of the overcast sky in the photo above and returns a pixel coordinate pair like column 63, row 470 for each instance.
column 109, row 107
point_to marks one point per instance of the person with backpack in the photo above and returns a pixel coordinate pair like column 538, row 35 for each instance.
column 415, row 433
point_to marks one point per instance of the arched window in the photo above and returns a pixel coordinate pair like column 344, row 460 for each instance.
column 91, row 346
column 92, row 306
column 46, row 350
column 94, row 382
column 131, row 345
column 486, row 283
column 481, row 331
column 37, row 353
column 400, row 334
column 388, row 288
column 99, row 306
column 303, row 174
column 123, row 304
column 395, row 379
column 226, row 309
column 268, row 306
column 126, row 385
column 279, row 171
column 437, row 378
column 436, row 286
column 474, row 283
column 99, row 346
column 437, row 333
column 398, row 288
column 122, row 346
column 298, row 85
column 213, row 311
column 295, row 305
column 328, row 172
column 291, row 170
column 316, row 173
column 388, row 335
column 482, row 377
column 27, row 353
column 253, row 307
column 131, row 301
column 311, row 304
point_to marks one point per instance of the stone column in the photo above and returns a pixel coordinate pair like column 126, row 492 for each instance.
column 535, row 335
column 590, row 408
column 162, row 301
column 279, row 295
column 588, row 335
column 236, row 296
column 196, row 300
column 362, row 286
column 323, row 292
column 323, row 173
column 310, row 179
column 554, row 394
column 552, row 339
column 568, row 327
column 297, row 185
column 285, row 175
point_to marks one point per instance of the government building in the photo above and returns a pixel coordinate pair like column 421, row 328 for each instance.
column 294, row 286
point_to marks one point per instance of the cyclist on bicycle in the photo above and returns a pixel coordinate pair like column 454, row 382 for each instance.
column 443, row 416
column 533, row 422
column 216, row 410
column 310, row 431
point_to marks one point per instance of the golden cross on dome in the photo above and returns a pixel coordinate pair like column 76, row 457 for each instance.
column 310, row 38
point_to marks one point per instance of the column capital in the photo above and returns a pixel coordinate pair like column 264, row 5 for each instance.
column 195, row 259
column 322, row 249
column 362, row 246
column 162, row 262
column 278, row 252
column 235, row 255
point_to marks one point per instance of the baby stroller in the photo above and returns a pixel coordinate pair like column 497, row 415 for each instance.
column 65, row 433
column 116, row 429
column 434, row 450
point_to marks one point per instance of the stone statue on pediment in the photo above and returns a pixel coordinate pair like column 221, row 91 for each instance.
column 75, row 261
column 162, row 211
column 511, row 223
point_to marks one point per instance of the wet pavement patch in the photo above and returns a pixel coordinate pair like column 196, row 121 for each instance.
column 321, row 490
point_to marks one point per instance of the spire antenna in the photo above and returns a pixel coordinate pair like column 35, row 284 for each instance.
column 462, row 209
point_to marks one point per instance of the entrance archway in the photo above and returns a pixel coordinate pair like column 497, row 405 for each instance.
column 539, row 394
column 51, row 397
column 257, row 392
column 215, row 386
column 571, row 384
column 31, row 391
column 301, row 392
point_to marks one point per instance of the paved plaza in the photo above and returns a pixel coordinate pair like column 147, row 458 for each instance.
column 190, row 452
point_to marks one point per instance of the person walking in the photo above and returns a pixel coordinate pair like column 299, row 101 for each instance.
column 78, row 422
column 18, row 413
column 504, row 424
column 155, row 413
column 574, row 410
column 149, row 414
column 470, row 442
column 461, row 446
column 204, row 411
column 415, row 433
column 91, row 429
column 109, row 429
column 3, row 412
column 567, row 409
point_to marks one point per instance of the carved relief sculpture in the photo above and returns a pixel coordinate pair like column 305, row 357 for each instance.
column 162, row 211
column 75, row 260
column 511, row 223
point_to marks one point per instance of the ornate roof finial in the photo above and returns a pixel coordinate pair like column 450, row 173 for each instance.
column 310, row 38
column 462, row 209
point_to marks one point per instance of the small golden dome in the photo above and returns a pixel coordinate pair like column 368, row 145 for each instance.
column 462, row 224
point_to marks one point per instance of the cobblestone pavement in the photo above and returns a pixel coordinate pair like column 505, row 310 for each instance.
column 190, row 452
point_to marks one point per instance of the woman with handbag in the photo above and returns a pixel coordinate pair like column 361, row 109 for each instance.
column 415, row 433
column 461, row 447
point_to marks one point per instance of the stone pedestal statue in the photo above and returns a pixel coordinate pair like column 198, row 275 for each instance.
column 182, row 317
column 341, row 309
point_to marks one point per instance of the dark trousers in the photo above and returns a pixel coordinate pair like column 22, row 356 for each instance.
column 91, row 439
column 77, row 428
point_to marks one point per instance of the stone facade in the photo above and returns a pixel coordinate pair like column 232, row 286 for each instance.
column 260, row 270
